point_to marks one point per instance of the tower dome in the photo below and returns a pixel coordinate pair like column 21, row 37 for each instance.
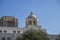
column 31, row 19
column 31, row 15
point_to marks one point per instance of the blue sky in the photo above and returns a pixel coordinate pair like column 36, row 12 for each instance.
column 47, row 12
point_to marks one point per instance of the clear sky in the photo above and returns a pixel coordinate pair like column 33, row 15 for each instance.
column 47, row 12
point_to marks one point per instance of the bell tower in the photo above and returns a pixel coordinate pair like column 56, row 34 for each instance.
column 31, row 20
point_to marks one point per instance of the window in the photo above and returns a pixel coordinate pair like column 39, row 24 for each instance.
column 56, row 39
column 3, row 38
column 14, row 31
column 34, row 22
column 18, row 31
column 0, row 31
column 30, row 23
column 8, row 38
column 5, row 31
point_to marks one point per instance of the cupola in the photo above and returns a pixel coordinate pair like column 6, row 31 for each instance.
column 31, row 20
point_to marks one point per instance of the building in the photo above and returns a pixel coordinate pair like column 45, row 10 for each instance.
column 11, row 33
column 8, row 21
column 53, row 37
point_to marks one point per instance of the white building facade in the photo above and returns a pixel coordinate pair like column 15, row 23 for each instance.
column 11, row 33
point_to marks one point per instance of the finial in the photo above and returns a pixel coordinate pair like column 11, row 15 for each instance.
column 31, row 13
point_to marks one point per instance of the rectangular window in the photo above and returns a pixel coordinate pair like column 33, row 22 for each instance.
column 3, row 38
column 8, row 38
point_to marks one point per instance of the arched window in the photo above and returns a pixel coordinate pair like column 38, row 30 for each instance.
column 34, row 22
column 0, row 31
column 30, row 22
column 5, row 31
column 18, row 31
column 14, row 31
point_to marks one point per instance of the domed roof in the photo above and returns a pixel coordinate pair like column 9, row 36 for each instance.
column 32, row 15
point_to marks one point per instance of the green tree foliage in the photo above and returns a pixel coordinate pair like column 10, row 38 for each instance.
column 59, row 37
column 34, row 35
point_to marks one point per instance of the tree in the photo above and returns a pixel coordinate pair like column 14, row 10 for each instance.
column 34, row 35
column 59, row 37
